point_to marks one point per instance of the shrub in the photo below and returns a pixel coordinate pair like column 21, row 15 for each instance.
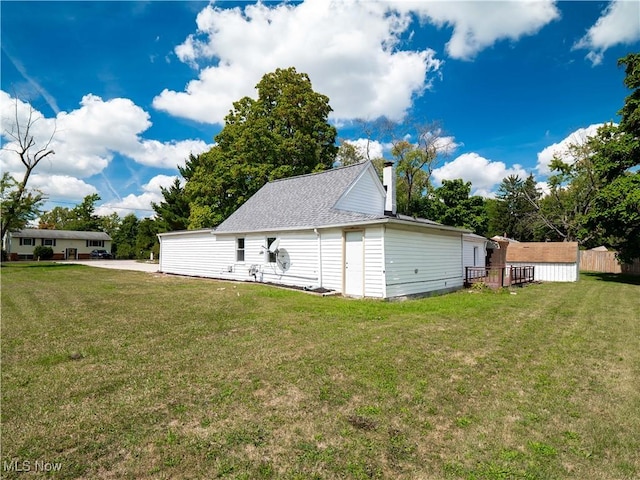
column 43, row 253
column 479, row 287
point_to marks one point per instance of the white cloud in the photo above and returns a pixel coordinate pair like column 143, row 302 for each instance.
column 485, row 175
column 165, row 155
column 141, row 204
column 86, row 139
column 61, row 186
column 478, row 25
column 543, row 187
column 347, row 48
column 619, row 23
column 561, row 149
column 351, row 50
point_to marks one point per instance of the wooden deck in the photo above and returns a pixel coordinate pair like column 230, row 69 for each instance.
column 497, row 277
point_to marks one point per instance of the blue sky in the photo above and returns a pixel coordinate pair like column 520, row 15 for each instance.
column 131, row 88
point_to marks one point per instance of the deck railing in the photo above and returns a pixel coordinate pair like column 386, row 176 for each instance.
column 496, row 277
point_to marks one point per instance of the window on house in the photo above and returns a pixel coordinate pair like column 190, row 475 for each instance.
column 28, row 241
column 95, row 243
column 475, row 256
column 271, row 255
column 240, row 250
column 49, row 242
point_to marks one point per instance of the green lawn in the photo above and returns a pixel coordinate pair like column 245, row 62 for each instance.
column 113, row 374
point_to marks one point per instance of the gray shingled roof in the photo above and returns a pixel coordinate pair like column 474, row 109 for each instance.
column 59, row 234
column 305, row 201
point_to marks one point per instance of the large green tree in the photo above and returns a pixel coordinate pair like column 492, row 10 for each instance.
column 284, row 132
column 452, row 204
column 616, row 158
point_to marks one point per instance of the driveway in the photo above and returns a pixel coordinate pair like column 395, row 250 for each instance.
column 118, row 264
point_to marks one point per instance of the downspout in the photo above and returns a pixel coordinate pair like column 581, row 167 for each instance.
column 384, row 261
column 315, row 230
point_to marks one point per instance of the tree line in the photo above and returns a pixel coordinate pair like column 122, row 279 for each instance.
column 593, row 199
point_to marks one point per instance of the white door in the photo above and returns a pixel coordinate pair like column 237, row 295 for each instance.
column 354, row 265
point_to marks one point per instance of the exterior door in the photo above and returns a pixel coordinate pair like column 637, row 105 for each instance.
column 354, row 264
column 72, row 254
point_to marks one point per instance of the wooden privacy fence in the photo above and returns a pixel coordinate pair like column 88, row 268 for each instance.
column 606, row 262
column 496, row 277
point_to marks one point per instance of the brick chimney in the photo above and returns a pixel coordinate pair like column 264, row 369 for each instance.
column 389, row 182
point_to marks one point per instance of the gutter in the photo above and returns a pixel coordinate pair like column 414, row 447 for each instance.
column 375, row 221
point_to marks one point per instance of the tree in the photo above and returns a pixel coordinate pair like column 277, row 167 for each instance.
column 146, row 241
column 18, row 203
column 173, row 212
column 82, row 217
column 572, row 190
column 615, row 158
column 451, row 204
column 413, row 180
column 349, row 154
column 17, row 212
column 124, row 239
column 514, row 212
column 110, row 224
column 84, row 213
column 56, row 219
column 415, row 161
column 284, row 132
column 595, row 199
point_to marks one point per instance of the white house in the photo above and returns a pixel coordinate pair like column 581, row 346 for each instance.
column 336, row 230
column 66, row 244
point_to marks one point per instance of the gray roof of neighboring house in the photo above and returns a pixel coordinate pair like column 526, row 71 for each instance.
column 305, row 201
column 59, row 234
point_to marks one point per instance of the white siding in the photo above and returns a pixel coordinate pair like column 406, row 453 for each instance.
column 468, row 245
column 420, row 262
column 205, row 255
column 366, row 195
column 195, row 254
column 396, row 262
column 374, row 262
column 299, row 248
column 552, row 272
column 332, row 259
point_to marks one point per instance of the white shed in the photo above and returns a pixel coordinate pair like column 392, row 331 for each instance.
column 553, row 261
column 335, row 230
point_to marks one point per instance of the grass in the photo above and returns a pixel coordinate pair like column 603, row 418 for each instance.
column 114, row 374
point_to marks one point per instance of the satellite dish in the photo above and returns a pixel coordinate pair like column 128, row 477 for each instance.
column 283, row 260
column 273, row 248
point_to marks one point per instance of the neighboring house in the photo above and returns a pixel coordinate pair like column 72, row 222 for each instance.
column 66, row 244
column 553, row 261
column 336, row 230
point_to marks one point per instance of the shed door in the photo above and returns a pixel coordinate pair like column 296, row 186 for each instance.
column 354, row 265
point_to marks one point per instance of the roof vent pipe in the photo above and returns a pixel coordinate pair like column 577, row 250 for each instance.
column 389, row 182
